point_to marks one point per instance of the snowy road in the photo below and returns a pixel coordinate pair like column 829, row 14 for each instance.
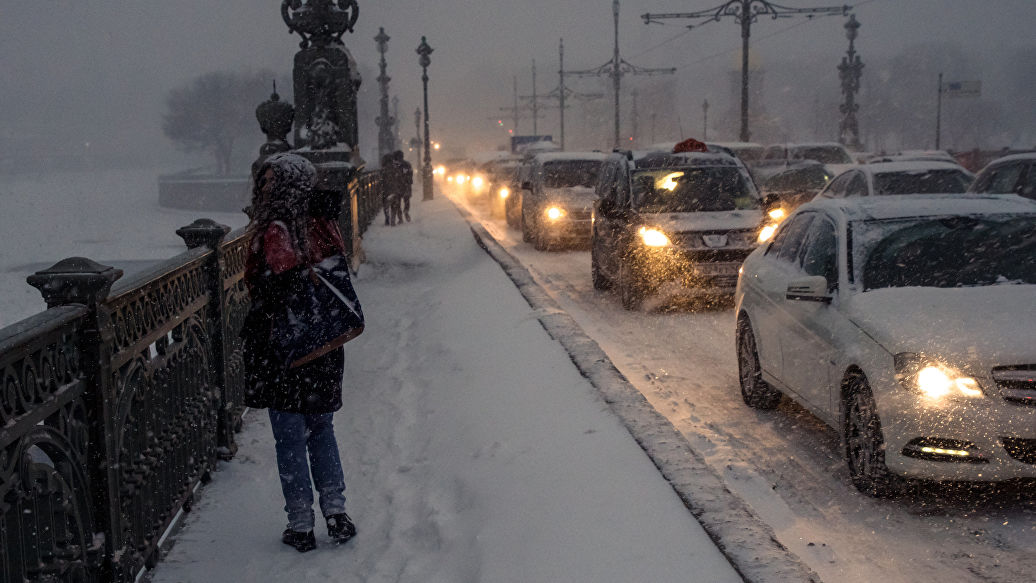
column 785, row 463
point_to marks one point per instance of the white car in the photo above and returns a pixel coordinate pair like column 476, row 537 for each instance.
column 908, row 324
column 885, row 178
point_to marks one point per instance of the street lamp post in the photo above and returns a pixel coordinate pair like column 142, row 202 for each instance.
column 849, row 72
column 425, row 52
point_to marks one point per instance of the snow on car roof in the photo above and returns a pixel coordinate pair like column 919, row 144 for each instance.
column 570, row 156
column 666, row 159
column 738, row 145
column 920, row 205
column 910, row 166
column 1013, row 157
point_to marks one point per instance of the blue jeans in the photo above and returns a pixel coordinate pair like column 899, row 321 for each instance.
column 296, row 434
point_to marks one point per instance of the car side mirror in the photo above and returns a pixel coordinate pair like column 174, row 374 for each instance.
column 607, row 206
column 809, row 289
column 771, row 201
column 526, row 185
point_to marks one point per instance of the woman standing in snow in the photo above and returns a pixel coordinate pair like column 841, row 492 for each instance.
column 302, row 400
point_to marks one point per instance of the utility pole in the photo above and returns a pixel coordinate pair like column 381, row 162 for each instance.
column 385, row 122
column 938, row 116
column 617, row 68
column 535, row 102
column 705, row 120
column 635, row 134
column 561, row 88
column 745, row 12
column 849, row 72
column 518, row 110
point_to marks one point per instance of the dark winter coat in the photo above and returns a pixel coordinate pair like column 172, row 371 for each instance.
column 273, row 268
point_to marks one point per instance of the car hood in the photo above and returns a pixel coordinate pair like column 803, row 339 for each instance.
column 572, row 196
column 712, row 221
column 967, row 327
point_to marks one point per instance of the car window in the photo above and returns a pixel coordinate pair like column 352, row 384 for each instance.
column 788, row 242
column 823, row 154
column 922, row 182
column 774, row 153
column 606, row 183
column 692, row 189
column 1002, row 179
column 837, row 188
column 569, row 173
column 622, row 187
column 821, row 254
column 1028, row 189
column 947, row 252
column 857, row 185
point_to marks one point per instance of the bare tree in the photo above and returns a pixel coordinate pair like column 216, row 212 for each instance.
column 211, row 112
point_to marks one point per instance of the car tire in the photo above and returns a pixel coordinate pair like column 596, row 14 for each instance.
column 599, row 280
column 756, row 392
column 630, row 289
column 864, row 441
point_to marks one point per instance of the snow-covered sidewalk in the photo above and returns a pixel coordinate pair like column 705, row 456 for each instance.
column 473, row 449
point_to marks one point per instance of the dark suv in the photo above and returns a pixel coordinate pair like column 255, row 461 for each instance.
column 685, row 221
column 557, row 195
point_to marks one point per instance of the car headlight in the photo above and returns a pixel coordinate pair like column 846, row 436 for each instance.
column 460, row 179
column 777, row 214
column 934, row 380
column 767, row 233
column 554, row 213
column 505, row 192
column 653, row 237
column 477, row 182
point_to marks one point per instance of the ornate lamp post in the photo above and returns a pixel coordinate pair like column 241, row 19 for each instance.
column 386, row 122
column 425, row 52
column 849, row 72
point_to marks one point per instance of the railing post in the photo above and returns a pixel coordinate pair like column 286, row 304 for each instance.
column 78, row 280
column 209, row 233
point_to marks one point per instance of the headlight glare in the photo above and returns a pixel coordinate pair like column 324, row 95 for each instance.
column 554, row 213
column 505, row 192
column 653, row 237
column 933, row 379
column 767, row 233
column 777, row 214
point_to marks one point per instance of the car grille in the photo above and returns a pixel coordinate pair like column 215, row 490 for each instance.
column 1023, row 450
column 1017, row 383
column 732, row 240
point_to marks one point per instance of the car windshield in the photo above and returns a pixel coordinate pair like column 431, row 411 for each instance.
column 805, row 179
column 953, row 251
column 823, row 154
column 571, row 173
column 501, row 171
column 688, row 190
column 948, row 181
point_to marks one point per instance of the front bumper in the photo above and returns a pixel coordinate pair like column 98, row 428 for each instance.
column 690, row 272
column 1000, row 437
column 571, row 231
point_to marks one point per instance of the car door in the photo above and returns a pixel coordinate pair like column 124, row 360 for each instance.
column 769, row 284
column 606, row 212
column 810, row 345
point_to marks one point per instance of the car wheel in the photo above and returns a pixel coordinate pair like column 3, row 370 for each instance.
column 527, row 234
column 629, row 288
column 864, row 442
column 600, row 281
column 756, row 392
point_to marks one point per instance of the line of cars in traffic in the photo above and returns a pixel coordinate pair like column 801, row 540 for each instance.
column 895, row 300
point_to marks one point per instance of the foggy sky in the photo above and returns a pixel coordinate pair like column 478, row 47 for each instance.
column 98, row 71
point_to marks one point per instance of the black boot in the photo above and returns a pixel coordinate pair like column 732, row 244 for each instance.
column 302, row 541
column 340, row 527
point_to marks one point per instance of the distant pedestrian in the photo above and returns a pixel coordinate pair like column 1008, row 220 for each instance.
column 389, row 192
column 406, row 181
column 302, row 400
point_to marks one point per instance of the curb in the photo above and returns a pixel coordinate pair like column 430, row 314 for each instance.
column 744, row 539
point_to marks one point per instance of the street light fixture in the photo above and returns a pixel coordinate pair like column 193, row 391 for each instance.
column 425, row 52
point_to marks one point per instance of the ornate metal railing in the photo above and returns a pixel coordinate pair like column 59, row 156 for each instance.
column 118, row 401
